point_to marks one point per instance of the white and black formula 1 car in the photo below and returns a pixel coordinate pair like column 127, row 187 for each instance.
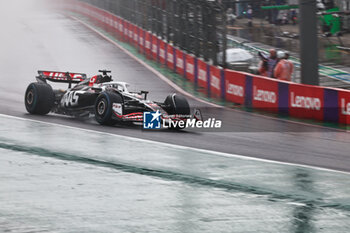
column 111, row 102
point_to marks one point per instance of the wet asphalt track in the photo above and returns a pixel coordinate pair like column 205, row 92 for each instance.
column 34, row 38
column 51, row 182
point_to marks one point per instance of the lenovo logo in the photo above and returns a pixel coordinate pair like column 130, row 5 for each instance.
column 202, row 75
column 190, row 68
column 170, row 57
column 215, row 82
column 305, row 102
column 264, row 96
column 235, row 90
column 180, row 63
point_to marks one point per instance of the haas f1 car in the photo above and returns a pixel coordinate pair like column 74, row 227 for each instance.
column 111, row 102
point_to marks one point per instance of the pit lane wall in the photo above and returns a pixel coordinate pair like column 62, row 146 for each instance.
column 252, row 91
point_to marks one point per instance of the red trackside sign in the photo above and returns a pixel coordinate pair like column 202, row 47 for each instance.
column 344, row 106
column 190, row 67
column 235, row 86
column 306, row 101
column 265, row 94
column 202, row 74
column 215, row 81
column 179, row 62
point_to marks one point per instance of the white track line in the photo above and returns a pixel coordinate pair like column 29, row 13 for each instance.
column 179, row 89
column 187, row 148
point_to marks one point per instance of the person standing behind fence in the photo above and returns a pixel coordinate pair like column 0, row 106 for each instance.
column 250, row 16
column 284, row 68
column 271, row 63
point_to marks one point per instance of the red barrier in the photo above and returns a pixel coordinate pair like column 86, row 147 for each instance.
column 215, row 81
column 104, row 20
column 265, row 94
column 154, row 47
column 162, row 49
column 202, row 74
column 235, row 86
column 344, row 103
column 115, row 25
column 190, row 68
column 141, row 41
column 109, row 19
column 180, row 62
column 136, row 35
column 148, row 45
column 170, row 56
column 126, row 31
column 121, row 28
column 306, row 101
column 131, row 32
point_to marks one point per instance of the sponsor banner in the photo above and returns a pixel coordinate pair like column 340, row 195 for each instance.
column 180, row 62
column 155, row 47
column 190, row 68
column 170, row 57
column 162, row 51
column 202, row 79
column 136, row 36
column 235, row 86
column 344, row 106
column 126, row 30
column 108, row 21
column 115, row 25
column 121, row 28
column 141, row 41
column 306, row 101
column 148, row 45
column 131, row 32
column 215, row 81
column 265, row 94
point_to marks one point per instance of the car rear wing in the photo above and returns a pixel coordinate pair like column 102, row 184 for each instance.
column 63, row 77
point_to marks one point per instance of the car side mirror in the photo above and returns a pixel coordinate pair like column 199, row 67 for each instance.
column 145, row 93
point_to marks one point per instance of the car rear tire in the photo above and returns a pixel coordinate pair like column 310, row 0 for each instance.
column 177, row 105
column 104, row 107
column 39, row 98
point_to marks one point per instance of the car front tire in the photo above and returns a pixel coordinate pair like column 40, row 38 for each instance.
column 104, row 107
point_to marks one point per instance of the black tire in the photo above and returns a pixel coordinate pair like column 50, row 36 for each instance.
column 177, row 105
column 39, row 98
column 103, row 107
